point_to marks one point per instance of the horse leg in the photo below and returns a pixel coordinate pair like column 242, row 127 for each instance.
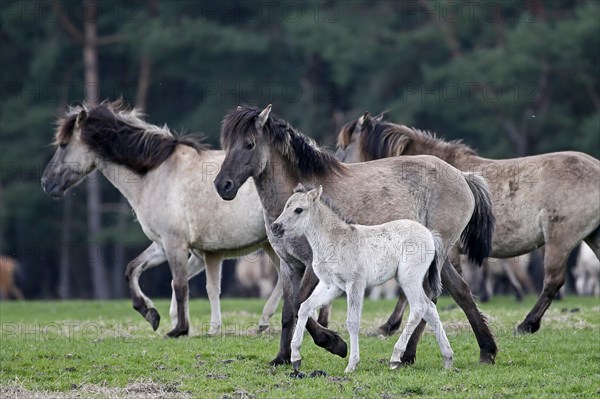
column 417, row 310
column 321, row 295
column 275, row 297
column 555, row 262
column 290, row 281
column 151, row 257
column 461, row 293
column 593, row 240
column 213, row 289
column 324, row 314
column 507, row 266
column 485, row 288
column 356, row 293
column 177, row 255
column 194, row 267
column 327, row 339
column 17, row 293
column 433, row 318
column 395, row 320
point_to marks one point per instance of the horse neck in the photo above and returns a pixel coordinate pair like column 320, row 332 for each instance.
column 123, row 179
column 275, row 185
column 324, row 227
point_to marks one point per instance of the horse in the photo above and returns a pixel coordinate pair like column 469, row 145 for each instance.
column 8, row 287
column 587, row 272
column 255, row 276
column 424, row 188
column 492, row 270
column 167, row 181
column 350, row 258
column 549, row 199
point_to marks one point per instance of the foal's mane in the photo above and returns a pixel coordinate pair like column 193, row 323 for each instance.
column 299, row 150
column 328, row 203
column 119, row 134
column 382, row 139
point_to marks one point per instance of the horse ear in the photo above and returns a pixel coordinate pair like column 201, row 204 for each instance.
column 362, row 119
column 263, row 117
column 300, row 188
column 379, row 117
column 81, row 117
column 315, row 194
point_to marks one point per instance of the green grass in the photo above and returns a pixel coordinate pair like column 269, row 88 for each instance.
column 71, row 346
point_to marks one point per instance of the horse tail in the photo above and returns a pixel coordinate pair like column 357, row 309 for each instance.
column 476, row 238
column 433, row 274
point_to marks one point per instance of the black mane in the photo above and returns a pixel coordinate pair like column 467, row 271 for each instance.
column 300, row 150
column 121, row 136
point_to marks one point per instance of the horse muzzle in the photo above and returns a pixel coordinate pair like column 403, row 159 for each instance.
column 226, row 189
column 52, row 188
column 277, row 230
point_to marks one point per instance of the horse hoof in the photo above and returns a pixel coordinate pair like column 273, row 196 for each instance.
column 175, row 333
column 296, row 365
column 153, row 318
column 297, row 374
column 385, row 331
column 262, row 328
column 487, row 358
column 408, row 360
column 395, row 365
column 338, row 346
column 279, row 360
column 527, row 328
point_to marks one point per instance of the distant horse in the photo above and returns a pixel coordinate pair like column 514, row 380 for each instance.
column 254, row 275
column 168, row 181
column 8, row 286
column 549, row 199
column 425, row 189
column 350, row 258
column 587, row 272
column 513, row 269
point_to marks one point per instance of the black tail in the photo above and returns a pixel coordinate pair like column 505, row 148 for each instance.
column 433, row 274
column 476, row 238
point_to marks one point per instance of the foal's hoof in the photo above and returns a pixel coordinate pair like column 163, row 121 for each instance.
column 153, row 318
column 296, row 365
column 279, row 360
column 175, row 333
column 395, row 365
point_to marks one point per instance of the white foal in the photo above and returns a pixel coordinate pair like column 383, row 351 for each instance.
column 350, row 258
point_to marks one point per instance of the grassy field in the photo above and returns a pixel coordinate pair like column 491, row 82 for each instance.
column 105, row 349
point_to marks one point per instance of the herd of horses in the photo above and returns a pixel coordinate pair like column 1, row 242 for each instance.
column 199, row 206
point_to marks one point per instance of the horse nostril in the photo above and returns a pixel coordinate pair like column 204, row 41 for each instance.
column 228, row 186
column 276, row 228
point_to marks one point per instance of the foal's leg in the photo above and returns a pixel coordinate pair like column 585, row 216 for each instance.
column 273, row 301
column 177, row 255
column 213, row 290
column 356, row 293
column 433, row 318
column 321, row 295
column 417, row 311
column 151, row 257
column 461, row 293
column 195, row 265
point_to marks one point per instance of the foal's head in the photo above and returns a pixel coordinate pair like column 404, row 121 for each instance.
column 295, row 217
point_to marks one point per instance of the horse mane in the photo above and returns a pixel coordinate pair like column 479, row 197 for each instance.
column 120, row 135
column 327, row 202
column 381, row 139
column 346, row 134
column 299, row 150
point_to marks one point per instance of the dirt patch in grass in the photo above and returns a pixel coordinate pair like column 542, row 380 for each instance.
column 141, row 389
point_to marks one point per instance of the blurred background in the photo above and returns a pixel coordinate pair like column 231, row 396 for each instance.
column 510, row 78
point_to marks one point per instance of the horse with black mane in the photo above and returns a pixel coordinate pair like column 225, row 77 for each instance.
column 168, row 181
column 277, row 157
column 549, row 200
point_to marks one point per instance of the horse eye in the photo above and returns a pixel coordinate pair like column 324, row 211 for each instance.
column 62, row 145
column 250, row 145
column 298, row 210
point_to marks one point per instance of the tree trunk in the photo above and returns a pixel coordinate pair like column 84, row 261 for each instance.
column 91, row 94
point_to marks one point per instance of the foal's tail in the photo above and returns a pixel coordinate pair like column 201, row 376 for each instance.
column 476, row 238
column 433, row 274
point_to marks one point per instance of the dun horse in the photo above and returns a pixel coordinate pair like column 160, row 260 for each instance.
column 351, row 258
column 424, row 189
column 167, row 181
column 549, row 199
